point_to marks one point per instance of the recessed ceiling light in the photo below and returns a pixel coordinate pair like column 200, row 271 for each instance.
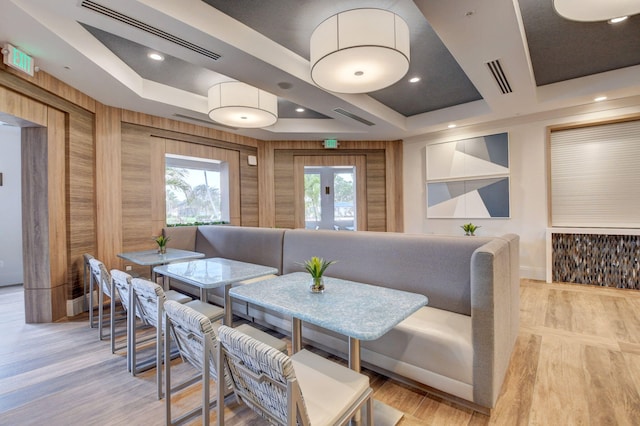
column 600, row 98
column 451, row 126
column 156, row 56
column 414, row 80
column 616, row 20
column 300, row 109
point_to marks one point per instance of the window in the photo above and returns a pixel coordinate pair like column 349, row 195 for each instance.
column 595, row 176
column 197, row 190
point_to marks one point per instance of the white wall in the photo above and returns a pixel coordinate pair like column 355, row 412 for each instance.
column 10, row 207
column 528, row 167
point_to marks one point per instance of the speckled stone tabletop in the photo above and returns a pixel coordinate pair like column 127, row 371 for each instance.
column 354, row 309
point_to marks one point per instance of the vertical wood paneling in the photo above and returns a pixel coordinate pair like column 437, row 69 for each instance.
column 108, row 184
column 158, row 191
column 249, row 209
column 394, row 185
column 266, row 185
column 57, row 207
column 137, row 188
column 35, row 225
column 81, row 211
column 376, row 192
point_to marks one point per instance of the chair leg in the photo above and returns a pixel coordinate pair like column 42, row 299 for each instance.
column 91, row 301
column 159, row 359
column 167, row 372
column 100, row 311
column 112, row 320
column 370, row 411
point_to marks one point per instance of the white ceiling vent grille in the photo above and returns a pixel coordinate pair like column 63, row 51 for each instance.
column 353, row 116
column 498, row 74
column 110, row 13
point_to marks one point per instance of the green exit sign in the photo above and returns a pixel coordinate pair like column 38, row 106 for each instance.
column 330, row 143
column 18, row 59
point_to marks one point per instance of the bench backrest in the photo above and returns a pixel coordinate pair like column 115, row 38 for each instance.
column 436, row 266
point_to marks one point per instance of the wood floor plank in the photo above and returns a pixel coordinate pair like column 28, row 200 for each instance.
column 576, row 362
column 516, row 399
column 558, row 393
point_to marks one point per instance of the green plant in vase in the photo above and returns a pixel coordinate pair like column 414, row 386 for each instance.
column 469, row 228
column 316, row 266
column 162, row 243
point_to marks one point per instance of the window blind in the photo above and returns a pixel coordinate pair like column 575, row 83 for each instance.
column 595, row 176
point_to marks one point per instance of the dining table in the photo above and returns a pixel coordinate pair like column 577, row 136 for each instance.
column 213, row 273
column 357, row 310
column 153, row 258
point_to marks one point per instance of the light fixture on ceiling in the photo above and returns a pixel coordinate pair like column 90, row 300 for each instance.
column 299, row 109
column 156, row 56
column 414, row 79
column 360, row 51
column 600, row 99
column 595, row 10
column 452, row 126
column 237, row 104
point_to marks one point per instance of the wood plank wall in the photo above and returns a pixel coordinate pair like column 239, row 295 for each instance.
column 100, row 197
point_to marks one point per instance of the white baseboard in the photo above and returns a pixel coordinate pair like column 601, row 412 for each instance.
column 533, row 273
column 77, row 306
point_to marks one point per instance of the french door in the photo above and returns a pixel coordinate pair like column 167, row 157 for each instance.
column 330, row 193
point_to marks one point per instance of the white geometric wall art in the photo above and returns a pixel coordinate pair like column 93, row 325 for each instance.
column 469, row 178
column 481, row 156
column 474, row 198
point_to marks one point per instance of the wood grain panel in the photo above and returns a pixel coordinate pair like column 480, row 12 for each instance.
column 137, row 232
column 15, row 104
column 17, row 82
column 249, row 207
column 57, row 206
column 81, row 213
column 108, row 184
column 186, row 128
column 394, row 185
column 157, row 149
column 266, row 185
column 35, row 225
column 57, row 87
column 376, row 192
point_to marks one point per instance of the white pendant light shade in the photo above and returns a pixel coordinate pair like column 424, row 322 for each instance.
column 360, row 51
column 595, row 10
column 237, row 104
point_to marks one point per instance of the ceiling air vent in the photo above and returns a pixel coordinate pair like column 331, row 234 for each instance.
column 110, row 13
column 353, row 116
column 499, row 76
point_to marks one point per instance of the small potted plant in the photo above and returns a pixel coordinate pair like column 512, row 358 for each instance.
column 162, row 243
column 316, row 267
column 469, row 228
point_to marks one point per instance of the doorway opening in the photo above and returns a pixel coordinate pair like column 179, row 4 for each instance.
column 330, row 200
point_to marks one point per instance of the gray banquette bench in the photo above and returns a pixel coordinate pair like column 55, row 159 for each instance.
column 459, row 345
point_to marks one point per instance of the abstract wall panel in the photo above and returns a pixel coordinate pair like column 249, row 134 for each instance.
column 469, row 178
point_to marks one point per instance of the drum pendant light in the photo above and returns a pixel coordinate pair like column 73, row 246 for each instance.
column 238, row 104
column 360, row 51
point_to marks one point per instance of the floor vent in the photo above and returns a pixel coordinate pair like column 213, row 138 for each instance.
column 498, row 74
column 110, row 13
column 353, row 116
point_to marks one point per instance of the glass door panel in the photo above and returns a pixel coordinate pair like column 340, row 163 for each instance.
column 330, row 198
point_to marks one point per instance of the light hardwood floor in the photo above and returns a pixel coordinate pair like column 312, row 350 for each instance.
column 576, row 362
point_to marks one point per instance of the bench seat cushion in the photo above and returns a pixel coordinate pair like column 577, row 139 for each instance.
column 432, row 339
